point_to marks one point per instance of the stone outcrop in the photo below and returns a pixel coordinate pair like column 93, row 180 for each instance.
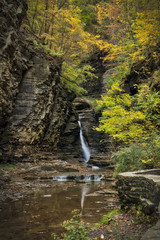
column 35, row 107
column 153, row 233
column 139, row 74
column 95, row 86
column 101, row 160
column 141, row 186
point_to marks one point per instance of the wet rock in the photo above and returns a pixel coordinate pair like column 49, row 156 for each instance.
column 66, row 169
column 48, row 168
column 4, row 178
column 69, row 144
column 30, row 170
column 105, row 192
column 79, row 180
column 81, row 104
column 154, row 232
column 100, row 160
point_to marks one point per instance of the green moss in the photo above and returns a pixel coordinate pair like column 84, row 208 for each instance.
column 7, row 166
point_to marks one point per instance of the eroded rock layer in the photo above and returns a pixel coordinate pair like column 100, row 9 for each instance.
column 34, row 106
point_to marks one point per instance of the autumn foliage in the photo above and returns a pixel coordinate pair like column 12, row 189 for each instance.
column 127, row 32
column 131, row 33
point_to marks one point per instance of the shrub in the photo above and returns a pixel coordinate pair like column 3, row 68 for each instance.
column 137, row 156
column 108, row 217
column 76, row 229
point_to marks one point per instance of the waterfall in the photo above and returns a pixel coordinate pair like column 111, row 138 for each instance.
column 84, row 145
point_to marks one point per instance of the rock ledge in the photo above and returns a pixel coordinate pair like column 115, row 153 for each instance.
column 144, row 187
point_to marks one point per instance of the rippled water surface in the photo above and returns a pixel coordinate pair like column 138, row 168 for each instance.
column 42, row 213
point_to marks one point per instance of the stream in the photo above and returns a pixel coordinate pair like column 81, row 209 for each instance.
column 38, row 215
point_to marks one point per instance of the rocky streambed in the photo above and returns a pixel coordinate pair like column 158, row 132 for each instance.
column 37, row 196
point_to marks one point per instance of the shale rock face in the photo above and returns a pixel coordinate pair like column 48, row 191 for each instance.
column 12, row 63
column 41, row 107
column 35, row 107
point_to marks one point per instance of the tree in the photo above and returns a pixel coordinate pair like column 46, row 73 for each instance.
column 130, row 118
column 59, row 25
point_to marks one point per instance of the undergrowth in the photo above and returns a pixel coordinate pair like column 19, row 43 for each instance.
column 76, row 229
column 138, row 155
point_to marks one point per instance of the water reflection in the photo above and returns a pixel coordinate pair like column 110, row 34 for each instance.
column 85, row 189
column 40, row 214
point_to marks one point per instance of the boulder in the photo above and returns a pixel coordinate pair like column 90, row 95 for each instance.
column 140, row 187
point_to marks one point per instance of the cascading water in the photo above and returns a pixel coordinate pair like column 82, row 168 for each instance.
column 84, row 144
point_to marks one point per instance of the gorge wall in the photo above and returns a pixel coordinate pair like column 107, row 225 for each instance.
column 34, row 106
column 36, row 110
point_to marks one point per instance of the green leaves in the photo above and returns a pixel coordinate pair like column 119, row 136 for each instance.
column 129, row 118
column 76, row 229
column 61, row 31
column 74, row 76
column 134, row 120
column 108, row 217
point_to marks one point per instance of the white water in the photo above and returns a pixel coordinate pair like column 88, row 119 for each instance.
column 84, row 145
column 85, row 178
column 91, row 177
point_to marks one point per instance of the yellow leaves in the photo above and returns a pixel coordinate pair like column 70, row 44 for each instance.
column 103, row 12
column 51, row 12
column 117, row 2
column 129, row 118
column 69, row 34
column 155, row 55
column 112, row 51
column 106, row 11
column 136, row 56
column 147, row 28
column 115, row 87
column 127, row 100
column 62, row 28
column 108, row 18
column 103, row 45
column 147, row 161
column 73, row 76
column 131, row 28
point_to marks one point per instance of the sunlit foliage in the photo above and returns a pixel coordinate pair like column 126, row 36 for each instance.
column 130, row 118
column 131, row 29
column 59, row 26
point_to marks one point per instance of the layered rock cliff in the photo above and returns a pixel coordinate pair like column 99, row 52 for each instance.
column 36, row 110
column 34, row 106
